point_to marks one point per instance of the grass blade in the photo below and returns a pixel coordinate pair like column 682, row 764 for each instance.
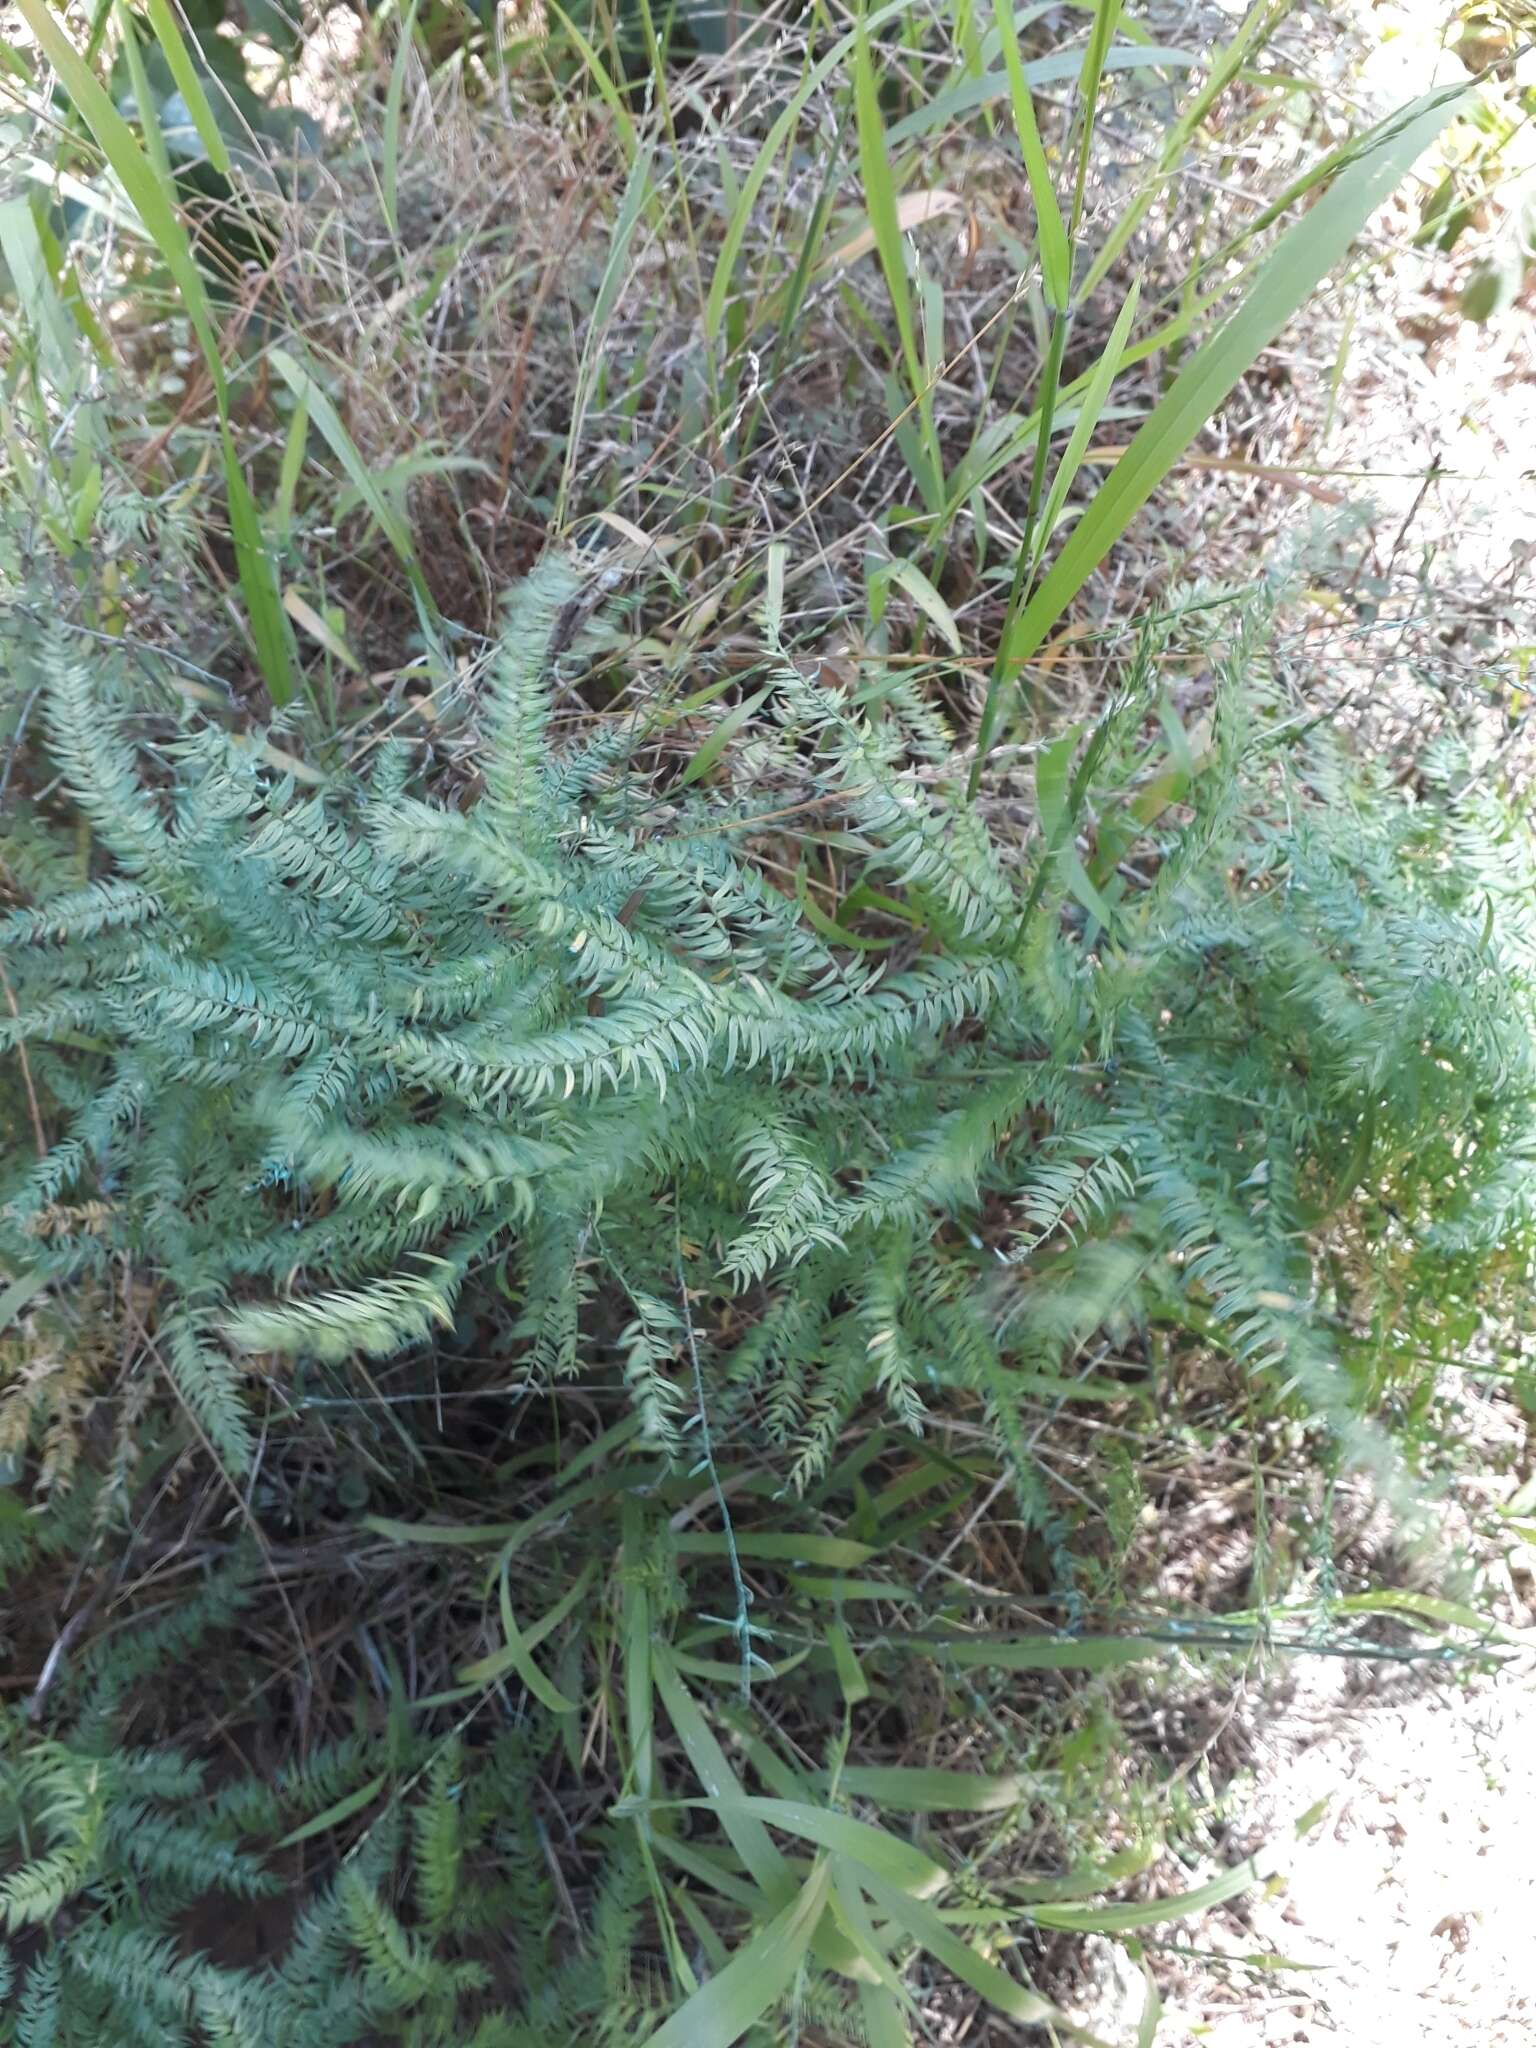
column 1254, row 31
column 1055, row 252
column 154, row 202
column 1106, row 14
column 746, row 1832
column 871, row 1848
column 334, row 1815
column 393, row 101
column 306, row 387
column 138, row 79
column 919, row 1920
column 746, row 200
column 1089, row 413
column 837, row 1553
column 608, row 92
column 1304, row 255
column 947, row 107
column 912, row 1789
column 721, row 2011
column 179, row 62
column 885, row 224
column 715, row 745
column 924, row 596
column 1105, row 1919
column 149, row 198
column 637, row 189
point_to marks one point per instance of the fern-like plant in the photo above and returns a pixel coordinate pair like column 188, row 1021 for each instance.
column 318, row 1059
column 1230, row 1052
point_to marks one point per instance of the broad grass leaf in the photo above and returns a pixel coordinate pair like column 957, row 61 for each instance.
column 876, row 1852
column 914, row 1789
column 1055, row 249
column 722, row 2009
column 748, row 1836
column 1110, row 1919
column 1305, row 254
column 334, row 1815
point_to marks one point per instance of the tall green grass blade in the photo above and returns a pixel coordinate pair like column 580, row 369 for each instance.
column 918, row 1919
column 37, row 296
column 138, row 78
column 270, row 633
column 1055, row 253
column 182, row 68
column 516, row 1654
column 851, row 1911
column 308, row 390
column 880, row 2017
column 845, row 1662
column 154, row 202
column 884, row 220
column 394, row 100
column 150, row 199
column 913, row 1788
column 837, row 1553
column 1090, row 411
column 948, row 107
column 721, row 2010
column 289, row 470
column 637, row 190
column 520, row 1643
column 608, row 92
column 745, row 1830
column 871, row 1848
column 1303, row 257
column 1106, row 14
column 746, row 202
column 639, row 1690
column 1254, row 31
column 1106, row 1919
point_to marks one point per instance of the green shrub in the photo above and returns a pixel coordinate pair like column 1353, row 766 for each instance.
column 435, row 1929
column 1231, row 1051
column 327, row 1056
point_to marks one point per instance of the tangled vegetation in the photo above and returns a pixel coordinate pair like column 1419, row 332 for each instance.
column 579, row 1152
